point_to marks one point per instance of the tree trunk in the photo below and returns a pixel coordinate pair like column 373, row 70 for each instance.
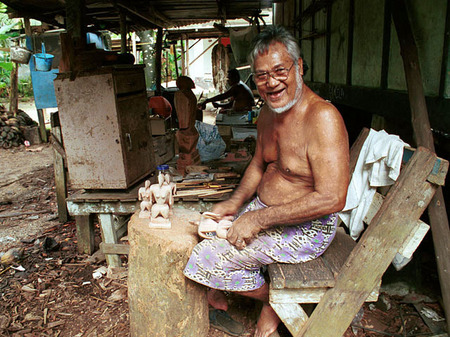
column 147, row 41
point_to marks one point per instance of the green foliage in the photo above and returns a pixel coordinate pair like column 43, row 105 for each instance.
column 25, row 87
column 168, row 66
column 6, row 33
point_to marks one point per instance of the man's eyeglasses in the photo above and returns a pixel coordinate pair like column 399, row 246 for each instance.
column 280, row 74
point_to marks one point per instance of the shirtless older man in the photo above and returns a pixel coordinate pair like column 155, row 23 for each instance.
column 300, row 173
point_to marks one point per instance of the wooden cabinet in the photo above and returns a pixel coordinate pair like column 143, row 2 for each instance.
column 105, row 127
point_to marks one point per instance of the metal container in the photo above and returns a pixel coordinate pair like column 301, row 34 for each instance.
column 20, row 54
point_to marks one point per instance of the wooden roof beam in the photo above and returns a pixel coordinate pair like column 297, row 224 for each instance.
column 153, row 20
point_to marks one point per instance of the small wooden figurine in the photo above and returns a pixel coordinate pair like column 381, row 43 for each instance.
column 161, row 199
column 145, row 197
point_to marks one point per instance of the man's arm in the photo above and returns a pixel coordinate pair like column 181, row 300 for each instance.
column 227, row 94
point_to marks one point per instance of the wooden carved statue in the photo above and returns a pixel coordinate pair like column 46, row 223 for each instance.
column 162, row 202
column 144, row 196
column 187, row 136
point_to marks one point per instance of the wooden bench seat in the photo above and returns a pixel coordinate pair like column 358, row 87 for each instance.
column 349, row 273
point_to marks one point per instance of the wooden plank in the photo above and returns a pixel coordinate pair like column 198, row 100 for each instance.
column 85, row 233
column 14, row 89
column 375, row 206
column 365, row 266
column 121, row 225
column 59, row 170
column 116, row 207
column 356, row 149
column 317, row 273
column 115, row 248
column 42, row 130
column 302, row 296
column 105, row 195
column 109, row 236
column 309, row 295
column 338, row 252
column 440, row 169
column 277, row 278
column 414, row 239
column 311, row 274
column 404, row 255
column 213, row 193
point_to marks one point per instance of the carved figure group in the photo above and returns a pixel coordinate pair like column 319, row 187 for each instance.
column 157, row 201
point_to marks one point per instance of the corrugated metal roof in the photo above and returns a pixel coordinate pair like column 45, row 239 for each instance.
column 142, row 14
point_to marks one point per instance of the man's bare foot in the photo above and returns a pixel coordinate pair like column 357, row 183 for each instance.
column 217, row 299
column 267, row 323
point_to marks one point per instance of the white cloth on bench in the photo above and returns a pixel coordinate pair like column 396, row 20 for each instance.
column 378, row 164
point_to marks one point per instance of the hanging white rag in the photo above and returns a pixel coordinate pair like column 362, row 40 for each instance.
column 378, row 164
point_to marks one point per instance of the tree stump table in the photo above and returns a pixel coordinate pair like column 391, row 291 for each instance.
column 163, row 302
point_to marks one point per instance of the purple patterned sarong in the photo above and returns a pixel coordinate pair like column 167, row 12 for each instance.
column 218, row 264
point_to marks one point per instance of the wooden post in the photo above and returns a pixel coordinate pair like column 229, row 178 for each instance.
column 123, row 32
column 42, row 130
column 75, row 14
column 58, row 166
column 85, row 233
column 175, row 57
column 422, row 131
column 183, row 58
column 158, row 63
column 14, row 90
column 187, row 55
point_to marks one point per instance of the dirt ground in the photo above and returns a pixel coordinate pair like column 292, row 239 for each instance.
column 48, row 289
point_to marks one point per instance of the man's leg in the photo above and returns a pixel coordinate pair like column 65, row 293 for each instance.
column 217, row 299
column 268, row 320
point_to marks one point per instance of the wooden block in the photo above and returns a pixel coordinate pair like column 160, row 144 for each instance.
column 415, row 237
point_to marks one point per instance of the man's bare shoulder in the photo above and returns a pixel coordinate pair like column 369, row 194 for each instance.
column 324, row 120
column 323, row 112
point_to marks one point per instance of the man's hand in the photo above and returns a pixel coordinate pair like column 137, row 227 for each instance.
column 226, row 209
column 244, row 230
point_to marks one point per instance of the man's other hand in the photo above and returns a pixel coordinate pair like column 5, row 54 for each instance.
column 244, row 230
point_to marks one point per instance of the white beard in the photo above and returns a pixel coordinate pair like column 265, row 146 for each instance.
column 298, row 95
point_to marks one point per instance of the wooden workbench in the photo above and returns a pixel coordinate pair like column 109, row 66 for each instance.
column 113, row 208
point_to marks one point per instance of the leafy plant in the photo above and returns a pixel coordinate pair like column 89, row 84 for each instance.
column 6, row 34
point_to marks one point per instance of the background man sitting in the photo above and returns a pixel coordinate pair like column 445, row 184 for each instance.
column 240, row 95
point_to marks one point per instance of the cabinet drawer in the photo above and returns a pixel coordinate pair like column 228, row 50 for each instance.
column 129, row 82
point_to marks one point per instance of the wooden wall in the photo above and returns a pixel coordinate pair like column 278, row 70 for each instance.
column 352, row 49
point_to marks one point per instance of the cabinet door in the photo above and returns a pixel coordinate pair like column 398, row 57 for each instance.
column 136, row 136
column 87, row 111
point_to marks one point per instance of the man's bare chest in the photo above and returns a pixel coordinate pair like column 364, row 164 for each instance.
column 286, row 146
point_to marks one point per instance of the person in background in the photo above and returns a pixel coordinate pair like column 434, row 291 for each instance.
column 299, row 174
column 240, row 96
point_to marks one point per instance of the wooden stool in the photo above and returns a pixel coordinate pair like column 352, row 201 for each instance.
column 163, row 302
